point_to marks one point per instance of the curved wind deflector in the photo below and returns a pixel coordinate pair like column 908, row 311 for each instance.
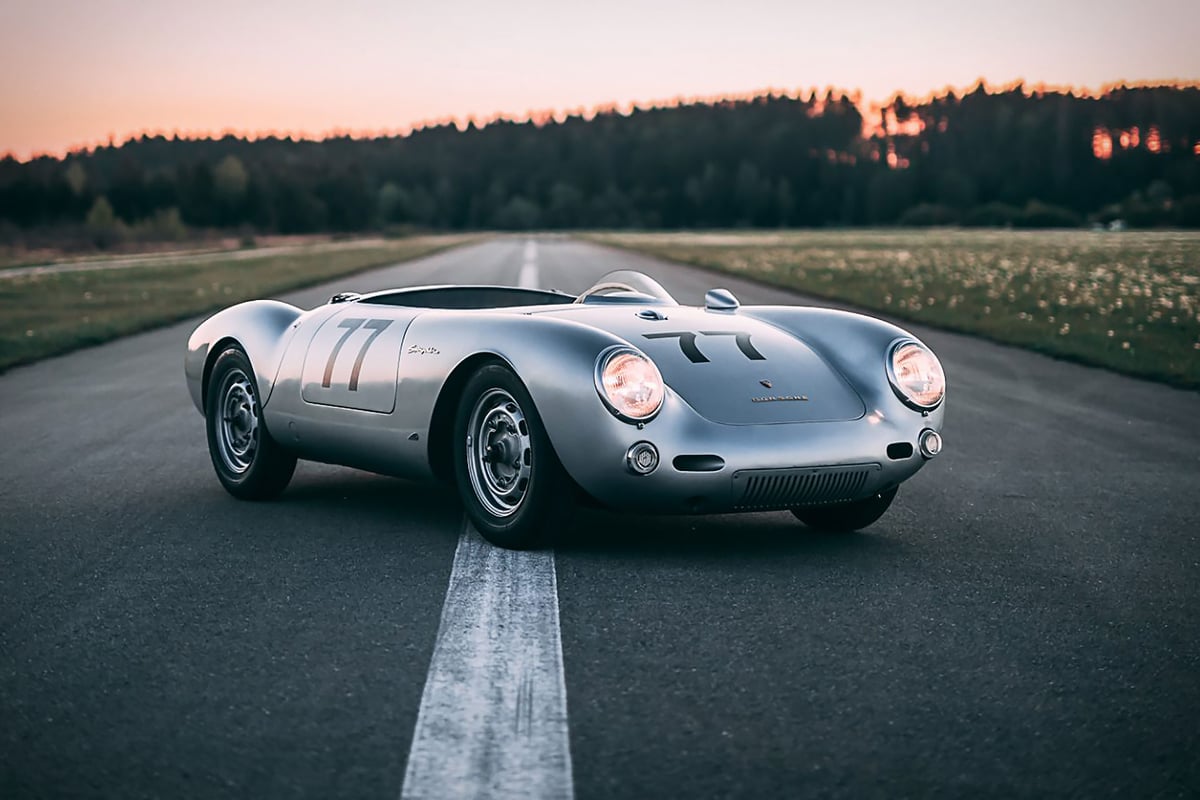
column 628, row 285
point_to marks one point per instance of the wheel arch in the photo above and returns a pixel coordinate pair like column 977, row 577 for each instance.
column 220, row 346
column 445, row 409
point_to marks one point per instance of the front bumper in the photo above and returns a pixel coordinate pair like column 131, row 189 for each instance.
column 707, row 467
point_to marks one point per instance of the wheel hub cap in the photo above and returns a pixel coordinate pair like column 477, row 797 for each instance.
column 237, row 427
column 499, row 453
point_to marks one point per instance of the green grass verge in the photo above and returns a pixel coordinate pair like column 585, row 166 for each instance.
column 1126, row 301
column 52, row 313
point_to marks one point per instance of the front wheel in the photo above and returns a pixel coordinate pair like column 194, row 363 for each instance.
column 842, row 517
column 248, row 462
column 512, row 485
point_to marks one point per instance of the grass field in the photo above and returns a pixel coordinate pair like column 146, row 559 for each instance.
column 46, row 314
column 1126, row 301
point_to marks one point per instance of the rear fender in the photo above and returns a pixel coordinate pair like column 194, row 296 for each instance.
column 262, row 328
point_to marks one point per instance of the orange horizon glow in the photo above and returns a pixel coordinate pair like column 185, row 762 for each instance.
column 879, row 119
column 367, row 68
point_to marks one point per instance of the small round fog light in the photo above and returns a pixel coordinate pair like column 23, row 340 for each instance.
column 642, row 458
column 930, row 443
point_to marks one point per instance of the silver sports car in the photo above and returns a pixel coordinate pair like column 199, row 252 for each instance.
column 529, row 399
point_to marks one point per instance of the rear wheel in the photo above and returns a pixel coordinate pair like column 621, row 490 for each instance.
column 840, row 517
column 248, row 462
column 512, row 485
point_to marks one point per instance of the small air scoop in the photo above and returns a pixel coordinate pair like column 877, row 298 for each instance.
column 720, row 300
column 344, row 297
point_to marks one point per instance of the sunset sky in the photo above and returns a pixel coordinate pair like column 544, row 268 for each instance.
column 75, row 73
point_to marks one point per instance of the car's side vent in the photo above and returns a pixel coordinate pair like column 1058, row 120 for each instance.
column 787, row 488
column 898, row 451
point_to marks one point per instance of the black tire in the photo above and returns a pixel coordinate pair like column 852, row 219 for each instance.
column 513, row 487
column 249, row 463
column 844, row 517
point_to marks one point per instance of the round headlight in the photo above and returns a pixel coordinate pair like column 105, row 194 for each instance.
column 916, row 375
column 629, row 383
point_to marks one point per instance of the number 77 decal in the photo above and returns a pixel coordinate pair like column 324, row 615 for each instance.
column 351, row 325
column 687, row 343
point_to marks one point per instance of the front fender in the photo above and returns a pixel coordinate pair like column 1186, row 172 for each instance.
column 554, row 358
column 260, row 327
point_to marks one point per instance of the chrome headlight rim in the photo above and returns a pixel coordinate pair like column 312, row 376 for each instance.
column 894, row 381
column 602, row 360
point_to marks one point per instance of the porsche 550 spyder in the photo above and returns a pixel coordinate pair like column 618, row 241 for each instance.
column 527, row 398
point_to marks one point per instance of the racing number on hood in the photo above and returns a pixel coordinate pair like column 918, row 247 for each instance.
column 351, row 325
column 687, row 343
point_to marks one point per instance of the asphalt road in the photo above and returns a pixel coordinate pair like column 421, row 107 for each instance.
column 1025, row 621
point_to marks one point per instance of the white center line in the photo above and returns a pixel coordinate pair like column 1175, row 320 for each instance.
column 493, row 717
column 528, row 276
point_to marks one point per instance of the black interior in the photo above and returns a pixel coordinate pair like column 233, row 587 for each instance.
column 469, row 297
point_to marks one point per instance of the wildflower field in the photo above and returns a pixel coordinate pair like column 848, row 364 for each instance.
column 1128, row 301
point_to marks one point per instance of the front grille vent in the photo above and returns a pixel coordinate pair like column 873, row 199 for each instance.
column 763, row 489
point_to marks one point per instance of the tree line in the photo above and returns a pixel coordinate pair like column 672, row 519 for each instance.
column 1008, row 158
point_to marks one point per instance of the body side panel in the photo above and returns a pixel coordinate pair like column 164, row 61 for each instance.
column 554, row 358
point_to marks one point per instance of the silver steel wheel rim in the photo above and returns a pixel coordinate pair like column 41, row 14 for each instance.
column 237, row 423
column 499, row 453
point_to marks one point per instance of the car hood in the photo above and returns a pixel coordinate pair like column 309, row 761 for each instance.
column 728, row 367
